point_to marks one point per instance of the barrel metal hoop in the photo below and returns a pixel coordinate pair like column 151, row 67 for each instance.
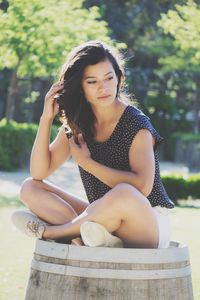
column 110, row 273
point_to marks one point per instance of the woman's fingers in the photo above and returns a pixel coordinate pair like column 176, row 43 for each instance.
column 72, row 142
column 55, row 89
column 69, row 134
column 81, row 139
column 51, row 107
column 79, row 151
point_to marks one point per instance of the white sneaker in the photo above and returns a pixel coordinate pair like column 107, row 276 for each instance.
column 96, row 235
column 28, row 223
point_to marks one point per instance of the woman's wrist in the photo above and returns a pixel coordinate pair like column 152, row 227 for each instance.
column 87, row 164
column 46, row 119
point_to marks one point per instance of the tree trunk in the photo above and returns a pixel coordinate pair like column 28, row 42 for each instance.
column 196, row 109
column 13, row 92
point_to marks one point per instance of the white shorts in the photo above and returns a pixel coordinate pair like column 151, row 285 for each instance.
column 163, row 219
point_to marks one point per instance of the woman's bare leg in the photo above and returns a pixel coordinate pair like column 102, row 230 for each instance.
column 49, row 202
column 123, row 211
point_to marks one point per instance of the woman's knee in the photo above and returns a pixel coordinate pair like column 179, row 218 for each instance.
column 124, row 188
column 27, row 189
column 124, row 194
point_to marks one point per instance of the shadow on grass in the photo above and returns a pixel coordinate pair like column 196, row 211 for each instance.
column 8, row 201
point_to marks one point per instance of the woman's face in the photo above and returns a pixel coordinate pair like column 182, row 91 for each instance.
column 100, row 84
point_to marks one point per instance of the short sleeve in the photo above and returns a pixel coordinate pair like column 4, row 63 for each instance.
column 143, row 122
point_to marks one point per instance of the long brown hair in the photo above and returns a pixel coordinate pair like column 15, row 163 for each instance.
column 73, row 107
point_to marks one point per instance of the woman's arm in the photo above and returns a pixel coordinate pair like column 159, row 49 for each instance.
column 141, row 159
column 46, row 158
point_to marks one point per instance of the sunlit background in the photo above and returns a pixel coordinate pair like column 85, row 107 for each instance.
column 160, row 43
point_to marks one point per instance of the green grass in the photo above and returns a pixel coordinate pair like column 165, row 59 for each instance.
column 185, row 228
column 16, row 249
column 8, row 201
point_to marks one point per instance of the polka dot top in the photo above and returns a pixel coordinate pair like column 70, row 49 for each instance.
column 113, row 153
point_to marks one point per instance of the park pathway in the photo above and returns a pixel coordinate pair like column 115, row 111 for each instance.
column 66, row 177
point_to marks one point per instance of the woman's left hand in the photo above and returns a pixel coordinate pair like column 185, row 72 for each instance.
column 80, row 151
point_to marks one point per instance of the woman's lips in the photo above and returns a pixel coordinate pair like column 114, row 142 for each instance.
column 104, row 97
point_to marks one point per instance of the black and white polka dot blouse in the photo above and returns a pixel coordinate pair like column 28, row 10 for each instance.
column 114, row 153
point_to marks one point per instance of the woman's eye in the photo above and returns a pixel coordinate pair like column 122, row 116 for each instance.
column 94, row 81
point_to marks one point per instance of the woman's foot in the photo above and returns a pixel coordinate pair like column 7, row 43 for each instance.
column 96, row 235
column 77, row 242
column 28, row 223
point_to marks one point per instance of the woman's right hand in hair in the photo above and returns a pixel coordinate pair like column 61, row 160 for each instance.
column 51, row 107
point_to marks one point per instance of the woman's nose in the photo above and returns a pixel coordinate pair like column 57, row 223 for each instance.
column 103, row 85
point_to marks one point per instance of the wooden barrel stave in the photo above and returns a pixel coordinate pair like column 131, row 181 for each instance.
column 76, row 272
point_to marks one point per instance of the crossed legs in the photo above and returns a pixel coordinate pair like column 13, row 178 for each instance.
column 123, row 211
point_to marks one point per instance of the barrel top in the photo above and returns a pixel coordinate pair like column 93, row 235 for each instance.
column 175, row 253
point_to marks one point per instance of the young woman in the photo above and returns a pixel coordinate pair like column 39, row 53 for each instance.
column 114, row 145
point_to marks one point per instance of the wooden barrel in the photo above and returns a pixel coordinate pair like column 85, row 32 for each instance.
column 60, row 272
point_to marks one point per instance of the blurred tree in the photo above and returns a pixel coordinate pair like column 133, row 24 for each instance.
column 183, row 26
column 35, row 37
column 135, row 23
column 4, row 5
column 161, row 93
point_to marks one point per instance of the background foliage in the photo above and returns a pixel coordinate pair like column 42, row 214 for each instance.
column 159, row 40
column 16, row 141
column 35, row 38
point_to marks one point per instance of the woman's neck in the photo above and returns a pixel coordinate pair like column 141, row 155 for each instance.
column 106, row 115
